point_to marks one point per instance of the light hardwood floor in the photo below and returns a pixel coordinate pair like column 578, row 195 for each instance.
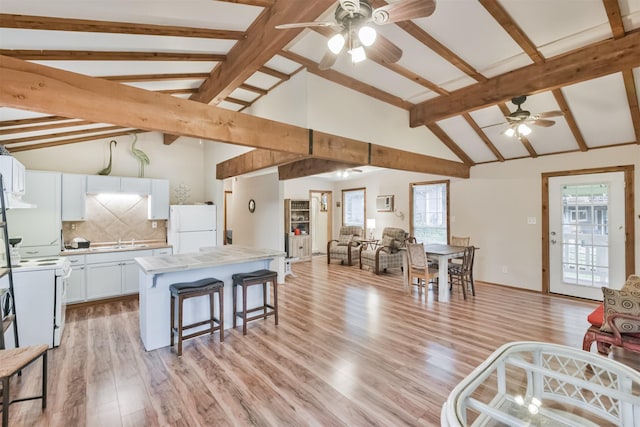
column 351, row 349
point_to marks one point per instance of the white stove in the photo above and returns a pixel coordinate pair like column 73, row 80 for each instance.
column 40, row 288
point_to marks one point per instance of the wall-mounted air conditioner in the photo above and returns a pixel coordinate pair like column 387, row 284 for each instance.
column 384, row 203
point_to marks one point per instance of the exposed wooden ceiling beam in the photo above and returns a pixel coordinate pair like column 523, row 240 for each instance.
column 252, row 161
column 262, row 42
column 238, row 101
column 59, row 135
column 84, row 55
column 49, row 126
column 483, row 136
column 274, row 73
column 177, row 91
column 583, row 64
column 523, row 139
column 347, row 81
column 504, row 19
column 254, row 89
column 74, row 140
column 433, row 44
column 34, row 87
column 310, row 167
column 571, row 121
column 156, row 77
column 261, row 3
column 632, row 98
column 91, row 26
column 450, row 143
column 33, row 120
column 615, row 18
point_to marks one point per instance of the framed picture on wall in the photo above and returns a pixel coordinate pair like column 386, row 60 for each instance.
column 384, row 203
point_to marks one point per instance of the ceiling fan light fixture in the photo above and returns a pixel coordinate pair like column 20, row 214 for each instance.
column 510, row 132
column 524, row 130
column 336, row 43
column 367, row 35
column 358, row 54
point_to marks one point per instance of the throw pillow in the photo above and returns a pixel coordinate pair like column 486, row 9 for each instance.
column 344, row 239
column 632, row 285
column 619, row 301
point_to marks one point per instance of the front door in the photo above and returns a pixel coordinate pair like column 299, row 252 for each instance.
column 586, row 233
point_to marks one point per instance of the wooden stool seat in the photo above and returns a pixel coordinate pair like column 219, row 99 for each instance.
column 258, row 277
column 13, row 361
column 185, row 290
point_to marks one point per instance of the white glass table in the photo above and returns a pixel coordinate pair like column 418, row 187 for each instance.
column 542, row 384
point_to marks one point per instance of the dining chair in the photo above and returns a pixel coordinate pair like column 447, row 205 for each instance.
column 462, row 274
column 418, row 267
column 460, row 241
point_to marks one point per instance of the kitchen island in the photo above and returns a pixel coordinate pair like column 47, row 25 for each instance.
column 157, row 273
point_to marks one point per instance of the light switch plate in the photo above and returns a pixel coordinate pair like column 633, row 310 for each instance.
column 531, row 220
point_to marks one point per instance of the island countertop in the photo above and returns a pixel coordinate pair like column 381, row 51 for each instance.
column 207, row 257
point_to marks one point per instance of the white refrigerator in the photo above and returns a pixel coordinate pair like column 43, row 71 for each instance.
column 191, row 227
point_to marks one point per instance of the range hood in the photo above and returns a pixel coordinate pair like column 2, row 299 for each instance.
column 13, row 201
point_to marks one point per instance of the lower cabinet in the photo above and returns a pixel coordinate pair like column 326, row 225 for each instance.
column 76, row 285
column 300, row 246
column 104, row 280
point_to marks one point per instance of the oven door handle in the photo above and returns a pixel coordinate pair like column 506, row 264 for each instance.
column 66, row 276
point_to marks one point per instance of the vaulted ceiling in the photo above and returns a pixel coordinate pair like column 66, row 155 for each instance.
column 459, row 69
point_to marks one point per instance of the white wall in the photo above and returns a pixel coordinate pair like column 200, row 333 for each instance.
column 180, row 162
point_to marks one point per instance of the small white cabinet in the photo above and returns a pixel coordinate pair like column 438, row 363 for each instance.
column 112, row 274
column 74, row 197
column 13, row 175
column 76, row 285
column 158, row 205
column 115, row 184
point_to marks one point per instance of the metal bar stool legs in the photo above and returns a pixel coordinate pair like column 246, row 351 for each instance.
column 183, row 291
column 244, row 280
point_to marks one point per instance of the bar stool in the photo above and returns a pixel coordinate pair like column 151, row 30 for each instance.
column 198, row 288
column 13, row 361
column 258, row 277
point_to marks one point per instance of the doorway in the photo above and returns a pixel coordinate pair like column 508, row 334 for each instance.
column 588, row 231
column 321, row 214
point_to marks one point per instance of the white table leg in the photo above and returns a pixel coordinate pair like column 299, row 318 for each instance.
column 443, row 278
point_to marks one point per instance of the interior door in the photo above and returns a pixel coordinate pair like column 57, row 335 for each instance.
column 586, row 233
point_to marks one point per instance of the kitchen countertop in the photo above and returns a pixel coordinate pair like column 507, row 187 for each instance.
column 207, row 257
column 104, row 248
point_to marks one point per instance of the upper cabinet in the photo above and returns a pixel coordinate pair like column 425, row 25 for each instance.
column 115, row 184
column 159, row 199
column 13, row 175
column 74, row 197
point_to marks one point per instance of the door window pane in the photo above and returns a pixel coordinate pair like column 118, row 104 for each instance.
column 430, row 212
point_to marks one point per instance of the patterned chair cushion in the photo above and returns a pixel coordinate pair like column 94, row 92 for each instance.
column 389, row 242
column 632, row 284
column 619, row 301
column 344, row 239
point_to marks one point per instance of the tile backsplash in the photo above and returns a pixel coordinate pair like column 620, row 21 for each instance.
column 112, row 217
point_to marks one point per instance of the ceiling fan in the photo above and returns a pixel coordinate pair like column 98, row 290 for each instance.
column 353, row 30
column 519, row 119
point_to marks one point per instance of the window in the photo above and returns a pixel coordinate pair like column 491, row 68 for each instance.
column 430, row 212
column 353, row 203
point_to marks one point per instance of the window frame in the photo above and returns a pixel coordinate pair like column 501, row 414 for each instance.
column 344, row 206
column 412, row 185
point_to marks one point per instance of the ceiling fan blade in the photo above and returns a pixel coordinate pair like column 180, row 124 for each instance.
column 543, row 123
column 494, row 124
column 327, row 60
column 403, row 10
column 546, row 114
column 350, row 6
column 384, row 50
column 305, row 24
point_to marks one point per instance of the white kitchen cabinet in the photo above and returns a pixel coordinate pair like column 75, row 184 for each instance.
column 112, row 274
column 300, row 246
column 159, row 199
column 74, row 197
column 76, row 285
column 130, row 277
column 39, row 227
column 163, row 251
column 13, row 175
column 114, row 184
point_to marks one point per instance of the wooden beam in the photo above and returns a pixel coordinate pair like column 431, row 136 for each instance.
column 261, row 3
column 254, row 89
column 60, row 135
column 35, row 87
column 571, row 121
column 632, row 98
column 74, row 140
column 112, row 27
column 252, row 161
column 450, row 144
column 156, row 77
column 348, row 82
column 83, row 55
column 274, row 73
column 504, row 19
column 21, row 122
column 310, row 167
column 51, row 125
column 238, row 101
column 615, row 18
column 483, row 136
column 597, row 60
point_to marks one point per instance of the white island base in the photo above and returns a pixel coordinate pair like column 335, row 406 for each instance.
column 159, row 272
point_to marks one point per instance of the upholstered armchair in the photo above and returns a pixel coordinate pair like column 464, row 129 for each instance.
column 347, row 247
column 387, row 253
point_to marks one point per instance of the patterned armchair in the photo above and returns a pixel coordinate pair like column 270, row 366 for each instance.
column 387, row 253
column 347, row 247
